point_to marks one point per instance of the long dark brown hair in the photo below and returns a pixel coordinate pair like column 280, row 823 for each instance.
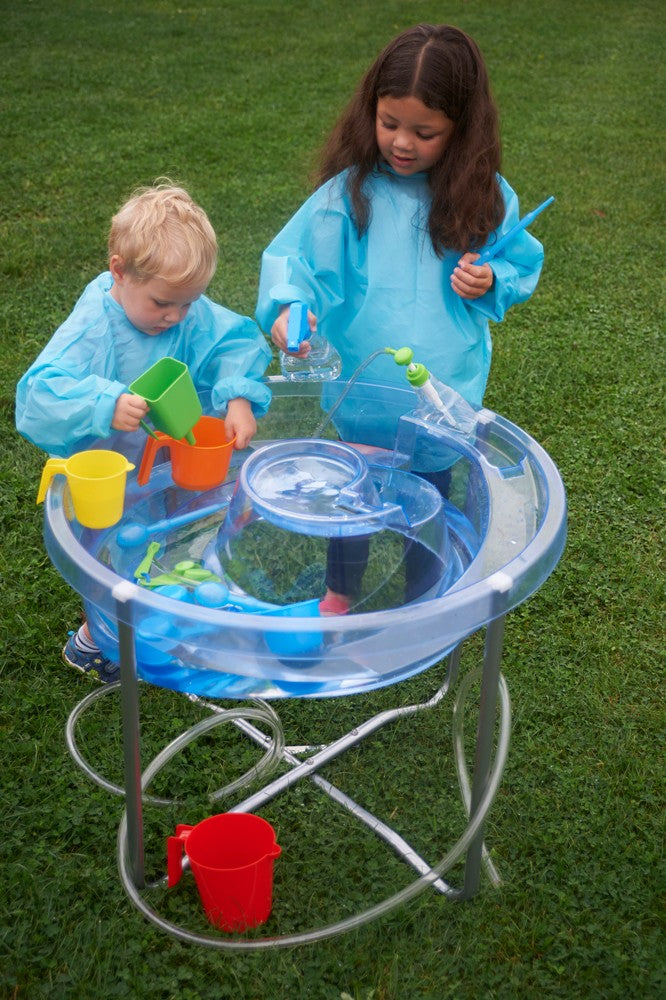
column 444, row 69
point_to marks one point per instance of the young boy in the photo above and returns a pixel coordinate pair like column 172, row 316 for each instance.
column 150, row 304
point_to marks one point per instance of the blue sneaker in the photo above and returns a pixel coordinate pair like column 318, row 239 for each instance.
column 92, row 664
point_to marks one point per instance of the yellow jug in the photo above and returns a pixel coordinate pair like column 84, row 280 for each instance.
column 96, row 481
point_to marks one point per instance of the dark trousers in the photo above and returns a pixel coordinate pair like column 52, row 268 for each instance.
column 347, row 558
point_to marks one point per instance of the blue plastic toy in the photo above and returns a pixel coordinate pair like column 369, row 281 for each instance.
column 492, row 251
column 132, row 534
column 298, row 328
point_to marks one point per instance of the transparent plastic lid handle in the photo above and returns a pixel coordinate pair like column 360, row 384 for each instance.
column 392, row 513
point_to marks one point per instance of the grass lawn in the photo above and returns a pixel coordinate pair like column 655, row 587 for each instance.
column 232, row 99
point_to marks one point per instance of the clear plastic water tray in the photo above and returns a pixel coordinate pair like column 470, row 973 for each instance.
column 493, row 540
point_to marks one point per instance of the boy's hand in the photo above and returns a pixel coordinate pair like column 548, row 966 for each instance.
column 240, row 422
column 470, row 282
column 130, row 409
column 279, row 333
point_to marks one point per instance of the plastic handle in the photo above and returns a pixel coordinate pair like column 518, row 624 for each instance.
column 144, row 566
column 153, row 445
column 149, row 430
column 298, row 328
column 175, row 848
column 392, row 513
column 51, row 469
column 191, row 515
column 490, row 252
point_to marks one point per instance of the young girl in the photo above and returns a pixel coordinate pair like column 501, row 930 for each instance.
column 384, row 251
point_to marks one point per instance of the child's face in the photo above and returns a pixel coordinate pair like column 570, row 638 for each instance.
column 410, row 136
column 155, row 305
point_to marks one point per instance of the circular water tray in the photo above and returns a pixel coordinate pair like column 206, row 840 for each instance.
column 489, row 544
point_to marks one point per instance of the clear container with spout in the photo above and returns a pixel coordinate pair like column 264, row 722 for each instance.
column 322, row 364
column 438, row 403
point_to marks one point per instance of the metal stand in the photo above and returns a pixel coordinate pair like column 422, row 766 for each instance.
column 310, row 765
column 484, row 744
column 129, row 694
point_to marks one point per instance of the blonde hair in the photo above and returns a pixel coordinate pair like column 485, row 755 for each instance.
column 162, row 233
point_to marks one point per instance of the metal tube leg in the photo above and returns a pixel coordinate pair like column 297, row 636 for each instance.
column 492, row 658
column 129, row 696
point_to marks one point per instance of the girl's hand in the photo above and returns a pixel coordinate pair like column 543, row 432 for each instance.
column 470, row 282
column 240, row 422
column 129, row 411
column 279, row 333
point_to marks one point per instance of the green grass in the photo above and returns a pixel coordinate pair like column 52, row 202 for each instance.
column 232, row 99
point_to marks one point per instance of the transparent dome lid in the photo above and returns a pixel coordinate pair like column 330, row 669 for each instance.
column 300, row 504
column 325, row 488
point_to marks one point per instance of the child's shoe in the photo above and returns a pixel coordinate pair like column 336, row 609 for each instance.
column 91, row 662
column 334, row 604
